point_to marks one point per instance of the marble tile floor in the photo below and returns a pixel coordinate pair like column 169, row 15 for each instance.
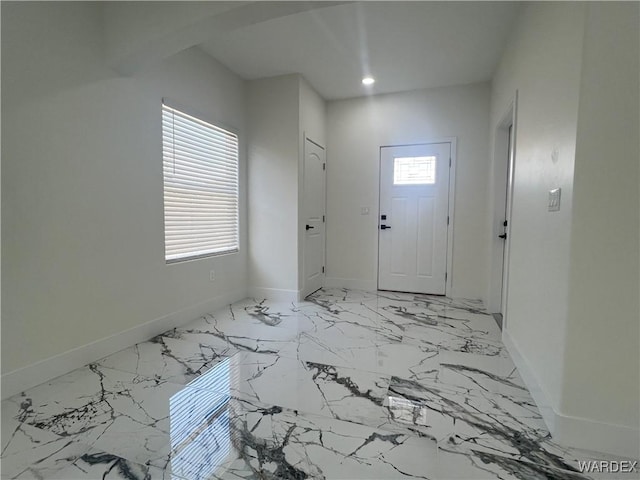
column 345, row 385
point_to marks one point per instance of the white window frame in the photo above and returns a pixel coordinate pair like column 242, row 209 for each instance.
column 201, row 185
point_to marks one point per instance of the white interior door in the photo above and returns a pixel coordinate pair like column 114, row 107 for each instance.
column 413, row 223
column 505, row 235
column 314, row 216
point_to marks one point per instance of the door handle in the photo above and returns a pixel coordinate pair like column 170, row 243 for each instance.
column 385, row 227
column 503, row 236
column 309, row 227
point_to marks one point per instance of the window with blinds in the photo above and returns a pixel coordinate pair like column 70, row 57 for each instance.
column 200, row 169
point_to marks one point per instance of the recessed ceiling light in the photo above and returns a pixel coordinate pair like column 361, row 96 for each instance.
column 368, row 81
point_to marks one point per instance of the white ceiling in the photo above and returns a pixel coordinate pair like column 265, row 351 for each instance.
column 404, row 45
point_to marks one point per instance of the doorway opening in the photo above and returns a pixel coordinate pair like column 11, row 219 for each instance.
column 314, row 207
column 504, row 165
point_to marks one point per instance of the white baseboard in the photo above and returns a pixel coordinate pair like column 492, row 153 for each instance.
column 274, row 294
column 27, row 377
column 352, row 283
column 571, row 431
column 539, row 395
column 588, row 434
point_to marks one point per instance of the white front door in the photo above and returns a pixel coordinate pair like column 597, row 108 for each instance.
column 413, row 223
column 314, row 215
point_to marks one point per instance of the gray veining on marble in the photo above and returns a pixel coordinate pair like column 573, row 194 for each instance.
column 344, row 385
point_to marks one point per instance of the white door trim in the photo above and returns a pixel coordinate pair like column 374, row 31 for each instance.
column 453, row 141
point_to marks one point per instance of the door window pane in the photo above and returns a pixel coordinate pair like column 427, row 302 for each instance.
column 414, row 170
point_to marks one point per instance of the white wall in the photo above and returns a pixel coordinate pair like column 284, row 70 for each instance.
column 281, row 110
column 542, row 62
column 137, row 33
column 572, row 316
column 602, row 364
column 0, row 203
column 313, row 113
column 356, row 128
column 140, row 33
column 83, row 244
column 273, row 113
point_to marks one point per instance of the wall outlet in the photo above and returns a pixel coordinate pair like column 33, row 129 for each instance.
column 212, row 275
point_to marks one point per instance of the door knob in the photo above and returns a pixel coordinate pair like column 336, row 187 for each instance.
column 503, row 236
column 385, row 227
column 309, row 227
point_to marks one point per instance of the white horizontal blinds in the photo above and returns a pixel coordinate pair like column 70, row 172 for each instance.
column 200, row 165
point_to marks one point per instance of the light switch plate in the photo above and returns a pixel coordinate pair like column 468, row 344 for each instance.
column 364, row 211
column 554, row 199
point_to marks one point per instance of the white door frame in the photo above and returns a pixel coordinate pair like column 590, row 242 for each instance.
column 504, row 153
column 450, row 211
column 302, row 219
